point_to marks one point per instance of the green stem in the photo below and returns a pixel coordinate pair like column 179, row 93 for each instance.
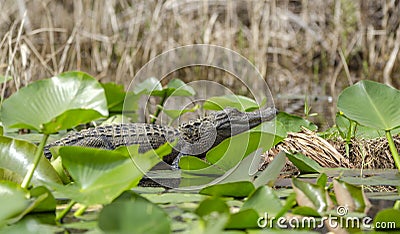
column 64, row 212
column 158, row 111
column 32, row 167
column 393, row 150
column 80, row 211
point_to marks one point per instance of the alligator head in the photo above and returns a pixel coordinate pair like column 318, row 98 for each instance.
column 199, row 136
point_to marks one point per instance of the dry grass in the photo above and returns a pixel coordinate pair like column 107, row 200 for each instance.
column 304, row 48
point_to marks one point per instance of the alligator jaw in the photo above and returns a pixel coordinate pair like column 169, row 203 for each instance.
column 231, row 121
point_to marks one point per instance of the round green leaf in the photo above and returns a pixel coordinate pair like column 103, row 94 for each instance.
column 148, row 86
column 177, row 87
column 243, row 219
column 387, row 219
column 13, row 200
column 17, row 156
column 371, row 104
column 263, row 200
column 239, row 102
column 235, row 189
column 212, row 204
column 294, row 123
column 102, row 175
column 54, row 104
column 115, row 95
column 134, row 216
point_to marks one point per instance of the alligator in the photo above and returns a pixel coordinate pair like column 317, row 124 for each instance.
column 193, row 138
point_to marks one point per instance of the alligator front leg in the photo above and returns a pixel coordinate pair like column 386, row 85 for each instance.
column 175, row 163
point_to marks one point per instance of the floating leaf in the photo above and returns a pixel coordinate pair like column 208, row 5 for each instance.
column 58, row 103
column 388, row 220
column 305, row 211
column 272, row 171
column 192, row 163
column 17, row 156
column 13, row 200
column 148, row 86
column 371, row 104
column 177, row 87
column 263, row 200
column 243, row 219
column 304, row 163
column 234, row 189
column 134, row 216
column 212, row 204
column 115, row 96
column 294, row 123
column 350, row 196
column 311, row 195
column 231, row 151
column 101, row 175
column 241, row 103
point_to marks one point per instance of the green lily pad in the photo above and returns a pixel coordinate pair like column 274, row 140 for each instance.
column 350, row 196
column 311, row 195
column 147, row 86
column 231, row 151
column 192, row 163
column 234, row 189
column 58, row 103
column 263, row 200
column 13, row 200
column 115, row 96
column 241, row 103
column 17, row 156
column 177, row 87
column 305, row 211
column 294, row 123
column 304, row 163
column 371, row 104
column 243, row 219
column 271, row 173
column 212, row 204
column 101, row 175
column 387, row 219
column 153, row 87
column 134, row 216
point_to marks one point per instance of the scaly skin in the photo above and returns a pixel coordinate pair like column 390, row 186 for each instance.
column 194, row 138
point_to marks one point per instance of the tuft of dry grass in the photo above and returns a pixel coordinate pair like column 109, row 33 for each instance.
column 305, row 49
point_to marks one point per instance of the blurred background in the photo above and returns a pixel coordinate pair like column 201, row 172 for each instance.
column 307, row 50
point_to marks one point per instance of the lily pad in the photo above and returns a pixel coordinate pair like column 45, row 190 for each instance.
column 115, row 96
column 311, row 195
column 134, row 216
column 263, row 200
column 235, row 189
column 101, row 175
column 304, row 163
column 294, row 123
column 58, row 103
column 241, row 103
column 13, row 200
column 212, row 204
column 243, row 219
column 371, row 104
column 17, row 156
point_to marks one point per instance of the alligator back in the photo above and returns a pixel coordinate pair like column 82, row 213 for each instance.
column 147, row 136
